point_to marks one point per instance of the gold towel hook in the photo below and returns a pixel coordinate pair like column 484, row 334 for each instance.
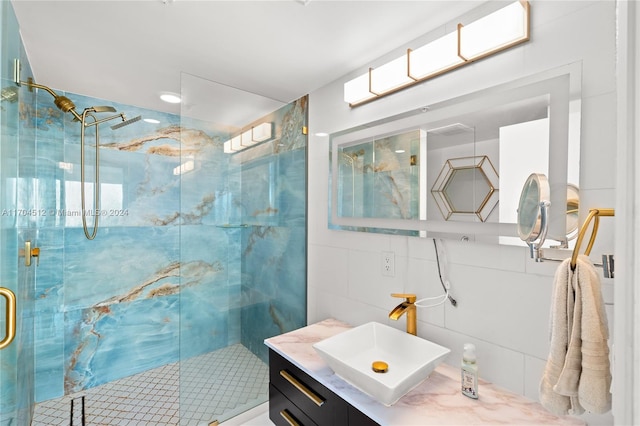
column 595, row 215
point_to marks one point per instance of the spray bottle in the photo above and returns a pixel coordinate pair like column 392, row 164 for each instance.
column 469, row 371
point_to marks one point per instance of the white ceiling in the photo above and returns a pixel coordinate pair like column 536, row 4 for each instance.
column 130, row 51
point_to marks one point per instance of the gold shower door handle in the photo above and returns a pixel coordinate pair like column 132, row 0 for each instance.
column 28, row 252
column 10, row 320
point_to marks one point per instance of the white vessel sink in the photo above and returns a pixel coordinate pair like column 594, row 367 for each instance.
column 410, row 359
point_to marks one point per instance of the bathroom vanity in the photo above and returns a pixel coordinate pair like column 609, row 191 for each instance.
column 304, row 390
column 297, row 398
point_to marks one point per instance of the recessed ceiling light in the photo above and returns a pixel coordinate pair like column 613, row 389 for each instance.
column 151, row 120
column 172, row 98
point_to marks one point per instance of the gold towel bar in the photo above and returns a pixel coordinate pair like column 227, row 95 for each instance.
column 595, row 215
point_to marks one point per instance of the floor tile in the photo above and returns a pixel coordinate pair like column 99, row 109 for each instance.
column 216, row 385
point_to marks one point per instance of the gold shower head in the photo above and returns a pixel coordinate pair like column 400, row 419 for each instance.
column 126, row 122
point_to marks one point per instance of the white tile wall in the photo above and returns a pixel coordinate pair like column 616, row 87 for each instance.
column 503, row 296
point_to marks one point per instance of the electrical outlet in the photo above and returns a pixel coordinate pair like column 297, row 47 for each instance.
column 388, row 263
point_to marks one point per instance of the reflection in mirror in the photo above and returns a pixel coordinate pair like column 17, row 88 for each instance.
column 380, row 178
column 525, row 126
column 467, row 186
column 573, row 211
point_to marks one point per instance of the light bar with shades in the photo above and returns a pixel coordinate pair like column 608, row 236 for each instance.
column 500, row 30
column 255, row 135
column 262, row 132
column 389, row 76
column 492, row 33
column 435, row 58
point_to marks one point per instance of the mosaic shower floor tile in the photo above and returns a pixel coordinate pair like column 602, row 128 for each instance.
column 217, row 385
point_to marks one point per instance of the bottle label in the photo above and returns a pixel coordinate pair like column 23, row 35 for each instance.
column 469, row 384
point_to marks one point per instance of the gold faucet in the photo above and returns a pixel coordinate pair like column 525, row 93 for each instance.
column 409, row 307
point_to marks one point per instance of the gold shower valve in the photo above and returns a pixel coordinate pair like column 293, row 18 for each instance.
column 28, row 253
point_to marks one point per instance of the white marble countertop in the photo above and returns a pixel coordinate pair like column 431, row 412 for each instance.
column 437, row 401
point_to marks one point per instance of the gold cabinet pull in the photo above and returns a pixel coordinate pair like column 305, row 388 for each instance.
column 28, row 252
column 10, row 321
column 302, row 388
column 289, row 418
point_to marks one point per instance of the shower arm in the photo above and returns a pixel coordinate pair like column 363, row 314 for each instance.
column 62, row 102
column 31, row 84
column 66, row 105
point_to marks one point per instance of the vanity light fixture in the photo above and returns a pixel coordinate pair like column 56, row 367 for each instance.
column 255, row 135
column 493, row 33
column 151, row 120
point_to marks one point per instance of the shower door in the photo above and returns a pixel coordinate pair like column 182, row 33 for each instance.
column 17, row 219
column 242, row 243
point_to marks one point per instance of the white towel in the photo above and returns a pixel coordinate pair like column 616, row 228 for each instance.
column 577, row 375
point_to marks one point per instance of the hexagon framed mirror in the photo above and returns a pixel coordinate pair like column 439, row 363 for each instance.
column 466, row 186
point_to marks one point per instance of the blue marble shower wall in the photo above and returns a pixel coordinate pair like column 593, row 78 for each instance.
column 187, row 259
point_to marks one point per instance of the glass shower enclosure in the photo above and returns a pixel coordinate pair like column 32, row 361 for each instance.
column 242, row 243
column 207, row 262
column 18, row 218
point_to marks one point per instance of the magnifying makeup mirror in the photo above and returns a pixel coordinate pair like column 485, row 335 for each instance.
column 532, row 208
column 533, row 213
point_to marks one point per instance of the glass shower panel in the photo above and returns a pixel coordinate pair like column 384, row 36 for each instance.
column 18, row 217
column 242, row 240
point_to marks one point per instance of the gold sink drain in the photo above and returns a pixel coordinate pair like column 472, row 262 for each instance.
column 380, row 366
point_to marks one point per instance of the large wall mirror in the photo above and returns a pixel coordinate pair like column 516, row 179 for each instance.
column 456, row 169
